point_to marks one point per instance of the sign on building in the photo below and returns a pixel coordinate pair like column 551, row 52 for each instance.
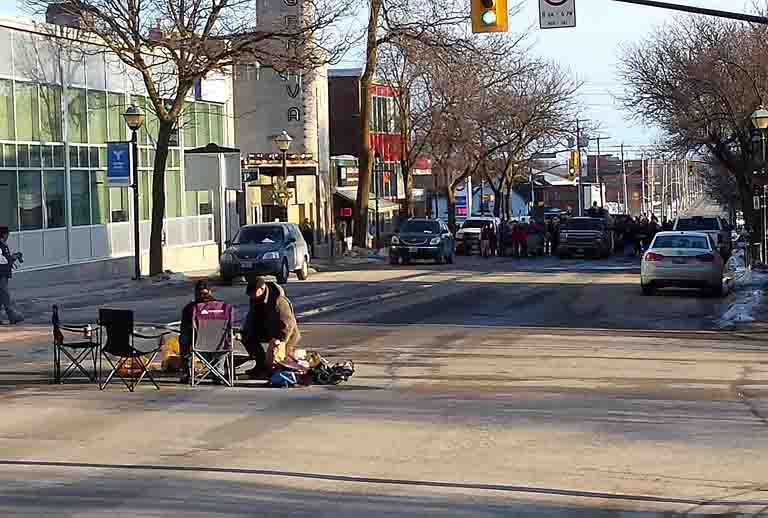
column 557, row 14
column 119, row 164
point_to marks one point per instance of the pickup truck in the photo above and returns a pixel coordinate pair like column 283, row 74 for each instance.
column 717, row 228
column 585, row 236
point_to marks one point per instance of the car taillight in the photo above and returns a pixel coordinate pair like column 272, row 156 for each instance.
column 653, row 257
column 705, row 258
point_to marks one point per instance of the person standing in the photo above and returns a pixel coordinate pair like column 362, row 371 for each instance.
column 308, row 233
column 555, row 238
column 7, row 263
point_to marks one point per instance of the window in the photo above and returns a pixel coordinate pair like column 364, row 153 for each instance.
column 172, row 194
column 697, row 223
column 97, row 117
column 116, row 108
column 191, row 207
column 204, row 202
column 118, row 204
column 9, row 155
column 145, row 203
column 55, row 199
column 8, row 201
column 28, row 126
column 203, row 125
column 7, row 129
column 50, row 113
column 77, row 121
column 80, row 188
column 99, row 198
column 217, row 124
column 681, row 242
column 188, row 120
column 30, row 201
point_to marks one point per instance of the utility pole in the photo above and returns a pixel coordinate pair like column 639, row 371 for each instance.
column 642, row 184
column 652, row 184
column 580, row 193
column 597, row 169
column 624, row 174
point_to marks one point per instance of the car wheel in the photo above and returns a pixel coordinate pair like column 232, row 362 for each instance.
column 648, row 289
column 282, row 277
column 303, row 272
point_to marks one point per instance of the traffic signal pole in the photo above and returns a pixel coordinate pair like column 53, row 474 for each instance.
column 580, row 193
column 743, row 17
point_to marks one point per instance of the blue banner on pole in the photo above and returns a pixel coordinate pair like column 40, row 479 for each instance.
column 119, row 164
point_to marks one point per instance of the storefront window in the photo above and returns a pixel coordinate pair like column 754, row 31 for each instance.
column 172, row 194
column 97, row 116
column 217, row 124
column 80, row 188
column 204, row 201
column 99, row 198
column 118, row 204
column 7, row 129
column 190, row 134
column 50, row 113
column 28, row 126
column 8, row 201
column 55, row 199
column 30, row 201
column 77, row 120
column 9, row 155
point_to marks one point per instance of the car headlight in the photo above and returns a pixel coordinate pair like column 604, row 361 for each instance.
column 434, row 241
column 395, row 240
column 271, row 255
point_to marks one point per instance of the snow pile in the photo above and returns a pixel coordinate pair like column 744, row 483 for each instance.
column 750, row 301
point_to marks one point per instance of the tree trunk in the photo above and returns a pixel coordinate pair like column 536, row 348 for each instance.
column 158, row 198
column 404, row 163
column 360, row 230
column 450, row 197
column 753, row 218
column 509, row 199
column 498, row 199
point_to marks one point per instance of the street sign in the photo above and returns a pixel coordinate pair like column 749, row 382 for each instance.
column 557, row 14
column 119, row 164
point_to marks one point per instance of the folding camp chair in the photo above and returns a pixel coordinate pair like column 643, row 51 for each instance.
column 120, row 335
column 77, row 352
column 212, row 343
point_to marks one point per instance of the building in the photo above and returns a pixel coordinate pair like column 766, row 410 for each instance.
column 58, row 110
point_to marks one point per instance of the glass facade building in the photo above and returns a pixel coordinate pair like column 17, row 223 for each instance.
column 59, row 106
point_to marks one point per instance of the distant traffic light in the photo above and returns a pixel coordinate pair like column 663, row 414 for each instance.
column 573, row 164
column 489, row 16
column 691, row 167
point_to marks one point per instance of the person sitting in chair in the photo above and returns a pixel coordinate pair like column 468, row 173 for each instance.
column 270, row 320
column 202, row 294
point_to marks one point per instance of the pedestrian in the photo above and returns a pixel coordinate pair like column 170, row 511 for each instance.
column 555, row 238
column 7, row 263
column 308, row 233
column 186, row 329
column 270, row 320
column 666, row 224
column 594, row 211
column 493, row 240
column 523, row 239
column 485, row 241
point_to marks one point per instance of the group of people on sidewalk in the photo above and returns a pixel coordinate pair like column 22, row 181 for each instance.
column 8, row 261
column 638, row 232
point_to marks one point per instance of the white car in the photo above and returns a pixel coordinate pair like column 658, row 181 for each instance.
column 682, row 260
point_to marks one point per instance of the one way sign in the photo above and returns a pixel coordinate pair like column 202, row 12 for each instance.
column 556, row 14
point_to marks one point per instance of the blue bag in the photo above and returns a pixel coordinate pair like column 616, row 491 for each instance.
column 284, row 379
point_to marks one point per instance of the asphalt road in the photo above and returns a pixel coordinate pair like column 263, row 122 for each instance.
column 486, row 388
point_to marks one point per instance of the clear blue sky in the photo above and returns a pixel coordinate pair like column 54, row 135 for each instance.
column 590, row 50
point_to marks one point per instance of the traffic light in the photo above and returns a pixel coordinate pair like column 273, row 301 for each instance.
column 489, row 16
column 691, row 167
column 573, row 164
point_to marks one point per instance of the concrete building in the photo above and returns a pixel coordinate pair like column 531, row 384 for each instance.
column 58, row 109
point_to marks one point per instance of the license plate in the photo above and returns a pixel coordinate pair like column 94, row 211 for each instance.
column 413, row 249
column 680, row 261
column 246, row 264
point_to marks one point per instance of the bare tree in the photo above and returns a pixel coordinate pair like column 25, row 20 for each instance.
column 172, row 44
column 699, row 80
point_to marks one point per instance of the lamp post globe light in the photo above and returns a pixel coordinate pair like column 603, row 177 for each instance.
column 134, row 119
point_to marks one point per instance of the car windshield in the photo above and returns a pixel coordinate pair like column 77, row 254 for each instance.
column 475, row 223
column 421, row 227
column 583, row 224
column 259, row 235
column 699, row 242
column 697, row 224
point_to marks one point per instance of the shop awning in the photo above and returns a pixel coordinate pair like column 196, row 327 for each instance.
column 385, row 206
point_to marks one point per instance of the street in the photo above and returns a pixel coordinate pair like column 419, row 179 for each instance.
column 487, row 388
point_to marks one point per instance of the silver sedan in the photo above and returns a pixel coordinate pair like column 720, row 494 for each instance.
column 682, row 260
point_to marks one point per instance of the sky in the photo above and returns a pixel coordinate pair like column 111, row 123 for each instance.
column 590, row 51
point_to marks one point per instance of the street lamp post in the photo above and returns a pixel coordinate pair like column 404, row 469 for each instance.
column 283, row 142
column 760, row 120
column 134, row 119
column 376, row 167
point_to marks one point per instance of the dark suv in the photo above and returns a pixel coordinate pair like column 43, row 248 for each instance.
column 266, row 249
column 422, row 239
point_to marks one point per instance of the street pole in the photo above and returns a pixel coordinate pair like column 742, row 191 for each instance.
column 765, row 223
column 597, row 169
column 376, row 193
column 580, row 193
column 285, row 179
column 642, row 184
column 136, row 223
column 624, row 174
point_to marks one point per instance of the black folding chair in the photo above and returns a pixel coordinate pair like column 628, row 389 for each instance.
column 212, row 343
column 77, row 352
column 118, row 324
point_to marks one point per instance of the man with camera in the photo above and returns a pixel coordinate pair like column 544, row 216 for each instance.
column 7, row 263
